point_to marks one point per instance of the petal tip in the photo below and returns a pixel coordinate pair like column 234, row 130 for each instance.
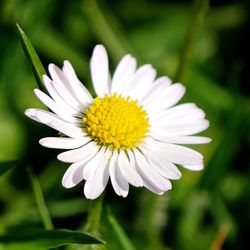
column 67, row 62
column 99, row 48
column 61, row 157
column 66, row 185
column 30, row 112
column 41, row 141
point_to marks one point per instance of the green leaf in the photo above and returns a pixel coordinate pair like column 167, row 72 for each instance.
column 32, row 57
column 45, row 239
column 6, row 165
column 117, row 232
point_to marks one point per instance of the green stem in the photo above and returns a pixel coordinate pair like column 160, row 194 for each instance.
column 93, row 222
column 40, row 201
column 94, row 216
column 200, row 8
column 151, row 228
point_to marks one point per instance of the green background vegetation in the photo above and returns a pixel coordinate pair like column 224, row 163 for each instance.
column 205, row 210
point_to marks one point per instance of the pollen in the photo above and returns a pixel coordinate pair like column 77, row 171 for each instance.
column 116, row 122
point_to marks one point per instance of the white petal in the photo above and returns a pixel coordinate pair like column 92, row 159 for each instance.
column 193, row 117
column 182, row 117
column 152, row 179
column 122, row 182
column 63, row 87
column 176, row 111
column 123, row 74
column 119, row 183
column 81, row 93
column 185, row 139
column 161, row 164
column 92, row 165
column 186, row 121
column 175, row 153
column 86, row 152
column 63, row 143
column 129, row 173
column 73, row 175
column 99, row 67
column 169, row 97
column 142, row 82
column 53, row 106
column 60, row 101
column 179, row 130
column 54, row 122
column 163, row 80
column 92, row 189
column 157, row 87
column 194, row 167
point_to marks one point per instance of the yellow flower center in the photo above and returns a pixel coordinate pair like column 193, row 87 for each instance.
column 116, row 122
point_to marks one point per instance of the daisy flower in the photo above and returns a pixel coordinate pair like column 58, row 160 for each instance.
column 130, row 133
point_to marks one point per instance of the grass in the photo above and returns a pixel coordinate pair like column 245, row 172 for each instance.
column 205, row 210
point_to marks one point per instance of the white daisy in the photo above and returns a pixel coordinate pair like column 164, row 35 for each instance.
column 129, row 133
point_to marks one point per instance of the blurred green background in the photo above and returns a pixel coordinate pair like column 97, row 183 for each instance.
column 205, row 210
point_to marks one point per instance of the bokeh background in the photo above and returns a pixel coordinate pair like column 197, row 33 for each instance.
column 205, row 210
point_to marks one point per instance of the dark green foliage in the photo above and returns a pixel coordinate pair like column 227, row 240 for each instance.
column 44, row 239
column 204, row 210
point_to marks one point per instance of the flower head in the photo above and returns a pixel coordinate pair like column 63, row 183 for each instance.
column 129, row 133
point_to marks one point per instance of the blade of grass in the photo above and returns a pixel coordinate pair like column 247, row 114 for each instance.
column 117, row 231
column 104, row 26
column 32, row 57
column 200, row 8
column 40, row 201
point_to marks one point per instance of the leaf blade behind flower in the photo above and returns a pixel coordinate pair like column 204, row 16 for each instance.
column 46, row 239
column 32, row 57
column 118, row 232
